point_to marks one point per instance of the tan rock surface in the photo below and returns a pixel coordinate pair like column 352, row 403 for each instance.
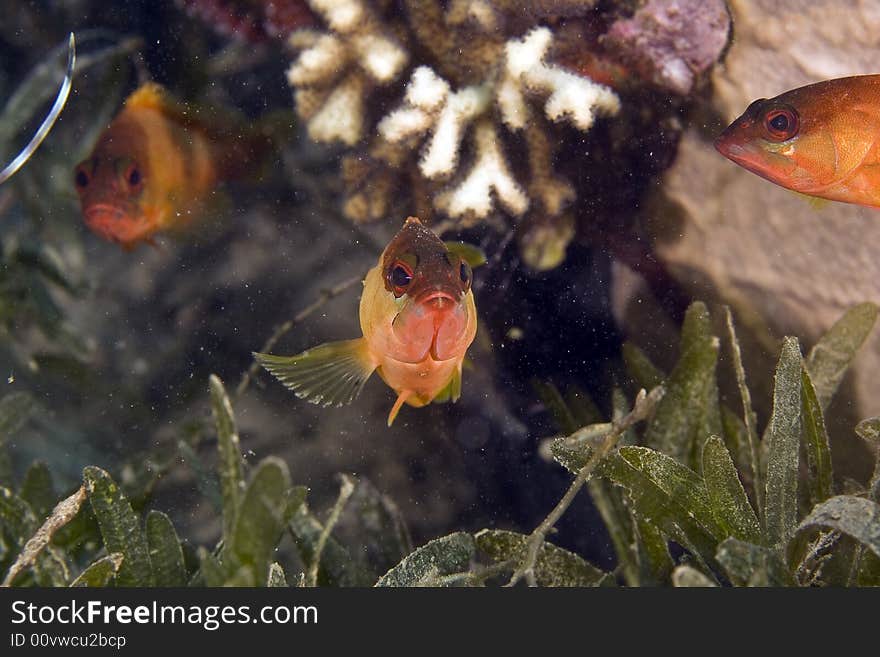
column 787, row 267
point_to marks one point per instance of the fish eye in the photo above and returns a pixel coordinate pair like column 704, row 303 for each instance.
column 781, row 123
column 81, row 179
column 464, row 272
column 133, row 177
column 400, row 277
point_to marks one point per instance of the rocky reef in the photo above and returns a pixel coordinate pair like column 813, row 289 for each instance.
column 785, row 265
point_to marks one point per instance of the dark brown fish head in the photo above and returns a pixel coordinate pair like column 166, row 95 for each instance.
column 430, row 284
column 417, row 263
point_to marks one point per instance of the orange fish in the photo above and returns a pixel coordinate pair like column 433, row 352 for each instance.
column 417, row 317
column 155, row 167
column 822, row 140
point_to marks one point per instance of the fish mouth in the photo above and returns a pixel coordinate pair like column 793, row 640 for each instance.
column 752, row 157
column 432, row 325
column 737, row 153
column 436, row 300
column 103, row 214
column 747, row 155
column 105, row 220
column 113, row 224
column 729, row 146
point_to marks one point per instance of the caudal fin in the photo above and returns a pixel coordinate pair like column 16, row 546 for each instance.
column 331, row 374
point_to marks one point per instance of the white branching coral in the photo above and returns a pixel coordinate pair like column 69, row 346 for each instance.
column 476, row 97
column 430, row 105
column 489, row 174
column 465, row 108
column 335, row 71
column 570, row 96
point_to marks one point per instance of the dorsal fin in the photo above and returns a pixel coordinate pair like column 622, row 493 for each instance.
column 152, row 96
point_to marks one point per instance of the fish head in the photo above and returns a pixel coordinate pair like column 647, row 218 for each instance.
column 113, row 188
column 426, row 295
column 792, row 140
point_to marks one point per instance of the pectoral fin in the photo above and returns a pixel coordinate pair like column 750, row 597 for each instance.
column 473, row 255
column 331, row 374
column 452, row 391
column 815, row 202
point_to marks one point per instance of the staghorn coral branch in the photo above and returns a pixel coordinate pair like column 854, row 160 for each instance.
column 474, row 80
column 322, row 53
column 404, row 123
column 342, row 16
column 379, row 56
column 570, row 96
column 341, row 117
column 490, row 173
column 428, row 102
column 334, row 72
column 441, row 156
column 481, row 12
column 553, row 192
column 426, row 90
column 425, row 18
column 515, row 111
column 426, row 93
column 431, row 105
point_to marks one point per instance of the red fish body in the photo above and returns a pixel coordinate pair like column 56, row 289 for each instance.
column 153, row 169
column 822, row 140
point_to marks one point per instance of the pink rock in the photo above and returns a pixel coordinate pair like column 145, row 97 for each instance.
column 671, row 43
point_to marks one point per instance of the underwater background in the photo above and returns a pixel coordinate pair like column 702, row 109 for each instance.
column 572, row 144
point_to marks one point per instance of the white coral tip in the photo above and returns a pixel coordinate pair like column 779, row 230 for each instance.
column 324, row 59
column 341, row 15
column 441, row 157
column 380, row 57
column 483, row 13
column 489, row 173
column 341, row 116
column 426, row 89
column 529, row 52
column 514, row 111
column 403, row 123
column 577, row 97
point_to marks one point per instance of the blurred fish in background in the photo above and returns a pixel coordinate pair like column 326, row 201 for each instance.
column 157, row 165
